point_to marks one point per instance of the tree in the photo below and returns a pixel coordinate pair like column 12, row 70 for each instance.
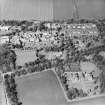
column 102, row 82
column 11, row 90
column 7, row 57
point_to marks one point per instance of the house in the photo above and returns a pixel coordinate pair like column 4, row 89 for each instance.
column 79, row 44
column 77, row 77
column 4, row 39
column 82, row 29
column 15, row 28
column 55, row 25
column 15, row 40
column 48, row 25
column 4, row 28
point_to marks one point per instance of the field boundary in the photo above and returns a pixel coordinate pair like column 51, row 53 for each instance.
column 86, row 98
column 64, row 92
column 30, row 74
column 78, row 99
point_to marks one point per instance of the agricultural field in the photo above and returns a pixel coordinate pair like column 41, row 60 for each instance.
column 25, row 56
column 44, row 89
column 40, row 89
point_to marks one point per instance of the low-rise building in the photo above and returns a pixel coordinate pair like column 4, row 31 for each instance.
column 4, row 28
column 4, row 39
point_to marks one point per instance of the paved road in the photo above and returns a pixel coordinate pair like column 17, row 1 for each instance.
column 2, row 94
column 95, row 101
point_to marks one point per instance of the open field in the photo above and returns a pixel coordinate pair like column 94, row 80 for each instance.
column 41, row 89
column 25, row 56
column 44, row 89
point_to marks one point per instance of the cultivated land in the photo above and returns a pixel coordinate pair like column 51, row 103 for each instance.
column 44, row 89
column 40, row 89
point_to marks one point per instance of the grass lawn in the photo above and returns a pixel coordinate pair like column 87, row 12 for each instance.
column 40, row 89
column 25, row 56
column 44, row 89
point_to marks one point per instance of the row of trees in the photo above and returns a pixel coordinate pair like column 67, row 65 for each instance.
column 16, row 22
column 37, row 66
column 7, row 59
column 74, row 93
column 11, row 90
column 100, row 62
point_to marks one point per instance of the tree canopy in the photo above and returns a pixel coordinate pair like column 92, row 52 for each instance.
column 7, row 57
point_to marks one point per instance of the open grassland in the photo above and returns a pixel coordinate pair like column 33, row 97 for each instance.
column 40, row 89
column 44, row 89
column 25, row 56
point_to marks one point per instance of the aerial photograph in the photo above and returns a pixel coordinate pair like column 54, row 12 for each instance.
column 52, row 52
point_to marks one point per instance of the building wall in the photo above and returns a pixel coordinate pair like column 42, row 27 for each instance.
column 63, row 9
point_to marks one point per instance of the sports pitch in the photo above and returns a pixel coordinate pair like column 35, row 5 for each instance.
column 44, row 89
column 40, row 89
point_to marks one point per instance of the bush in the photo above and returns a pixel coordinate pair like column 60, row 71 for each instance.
column 24, row 72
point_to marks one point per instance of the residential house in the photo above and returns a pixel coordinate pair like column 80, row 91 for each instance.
column 4, row 28
column 4, row 39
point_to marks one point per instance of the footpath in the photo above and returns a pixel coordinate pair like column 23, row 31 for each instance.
column 3, row 96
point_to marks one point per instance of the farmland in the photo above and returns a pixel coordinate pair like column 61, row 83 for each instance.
column 44, row 89
column 40, row 89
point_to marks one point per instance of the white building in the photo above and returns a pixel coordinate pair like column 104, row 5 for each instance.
column 15, row 40
column 4, row 28
column 4, row 39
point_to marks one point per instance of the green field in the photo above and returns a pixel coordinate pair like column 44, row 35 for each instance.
column 44, row 89
column 25, row 56
column 41, row 89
